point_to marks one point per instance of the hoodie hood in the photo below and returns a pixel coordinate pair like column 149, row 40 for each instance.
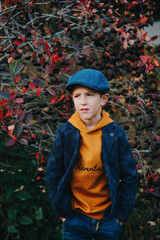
column 77, row 122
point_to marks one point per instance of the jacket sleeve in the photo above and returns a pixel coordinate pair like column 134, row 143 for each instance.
column 55, row 167
column 128, row 180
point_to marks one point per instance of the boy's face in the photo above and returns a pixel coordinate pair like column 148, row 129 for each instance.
column 88, row 103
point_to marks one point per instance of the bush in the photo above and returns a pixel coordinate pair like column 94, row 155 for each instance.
column 42, row 44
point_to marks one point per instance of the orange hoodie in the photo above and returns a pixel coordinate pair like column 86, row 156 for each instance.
column 90, row 192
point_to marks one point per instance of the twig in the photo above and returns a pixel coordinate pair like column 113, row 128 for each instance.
column 141, row 163
column 50, row 132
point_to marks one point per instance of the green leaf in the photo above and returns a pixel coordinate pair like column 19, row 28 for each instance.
column 4, row 73
column 18, row 69
column 18, row 129
column 39, row 214
column 9, row 192
column 22, row 178
column 26, row 220
column 64, row 77
column 12, row 67
column 11, row 213
column 23, row 195
column 4, row 95
column 39, row 82
column 11, row 229
column 32, row 122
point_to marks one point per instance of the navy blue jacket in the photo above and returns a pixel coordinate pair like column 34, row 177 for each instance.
column 120, row 168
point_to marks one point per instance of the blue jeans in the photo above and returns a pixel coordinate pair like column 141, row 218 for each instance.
column 82, row 227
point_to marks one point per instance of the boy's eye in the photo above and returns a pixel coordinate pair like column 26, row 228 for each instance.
column 90, row 94
column 76, row 95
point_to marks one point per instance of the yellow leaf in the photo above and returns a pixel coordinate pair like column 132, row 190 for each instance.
column 156, row 63
column 140, row 89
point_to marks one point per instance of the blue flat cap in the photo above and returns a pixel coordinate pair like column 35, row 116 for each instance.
column 90, row 78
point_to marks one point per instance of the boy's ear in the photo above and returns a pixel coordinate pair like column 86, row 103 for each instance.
column 105, row 98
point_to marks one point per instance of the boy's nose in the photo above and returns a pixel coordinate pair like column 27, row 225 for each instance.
column 83, row 100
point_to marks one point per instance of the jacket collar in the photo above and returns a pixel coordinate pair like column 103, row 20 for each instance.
column 108, row 136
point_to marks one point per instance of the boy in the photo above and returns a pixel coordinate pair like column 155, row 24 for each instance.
column 91, row 175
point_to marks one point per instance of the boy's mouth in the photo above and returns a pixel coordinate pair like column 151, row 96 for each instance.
column 84, row 109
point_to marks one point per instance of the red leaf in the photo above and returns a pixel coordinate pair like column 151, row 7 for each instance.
column 10, row 59
column 47, row 31
column 42, row 61
column 156, row 63
column 125, row 44
column 123, row 33
column 16, row 79
column 134, row 3
column 130, row 108
column 53, row 100
column 13, row 96
column 24, row 90
column 131, row 42
column 1, row 113
column 68, row 98
column 61, row 98
column 9, row 142
column 20, row 50
column 2, row 102
column 31, row 3
column 154, row 38
column 9, row 112
column 137, row 166
column 139, row 101
column 5, row 128
column 150, row 67
column 34, row 136
column 66, row 69
column 145, row 34
column 154, row 176
column 157, row 137
column 116, row 97
column 55, row 58
column 37, row 155
column 22, row 38
column 32, row 86
column 51, row 91
column 42, row 159
column 11, row 49
column 46, row 46
column 19, row 100
column 38, row 93
column 143, row 19
column 34, row 54
column 23, row 141
column 29, row 117
column 22, row 116
column 83, row 2
column 17, row 42
column 144, row 58
column 140, row 64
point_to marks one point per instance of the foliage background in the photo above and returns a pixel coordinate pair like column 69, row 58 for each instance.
column 42, row 44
